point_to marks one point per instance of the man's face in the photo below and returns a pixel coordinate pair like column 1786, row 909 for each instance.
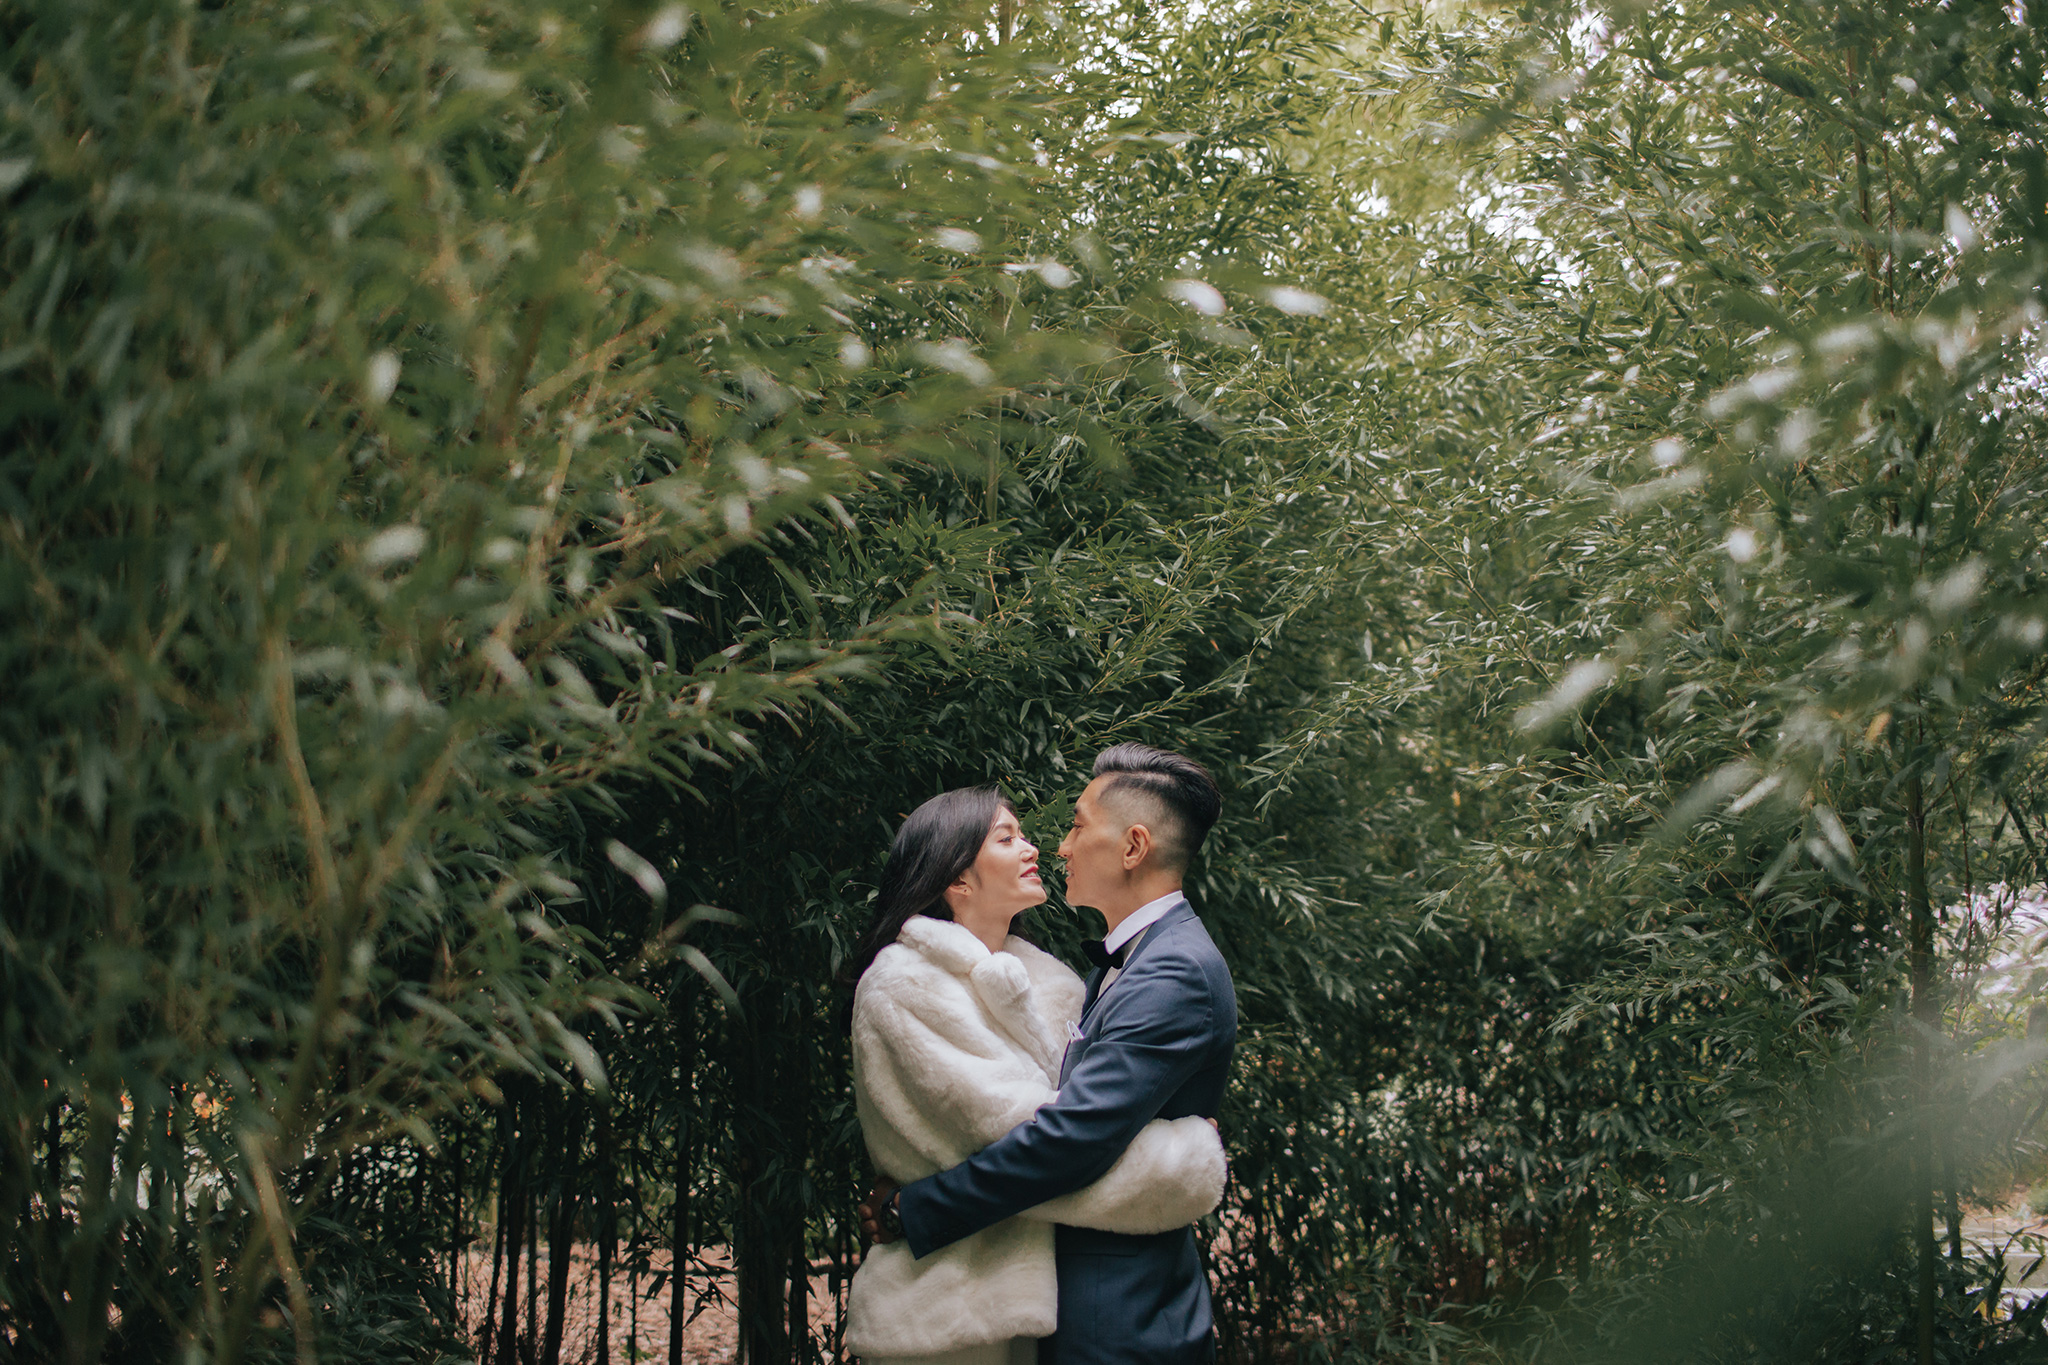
column 1093, row 849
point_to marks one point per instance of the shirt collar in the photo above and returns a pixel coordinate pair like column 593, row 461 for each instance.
column 1143, row 918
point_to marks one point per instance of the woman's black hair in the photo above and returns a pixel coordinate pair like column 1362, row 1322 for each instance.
column 939, row 841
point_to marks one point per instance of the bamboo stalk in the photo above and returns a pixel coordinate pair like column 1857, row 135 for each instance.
column 607, row 1234
column 567, row 1144
column 497, row 1267
column 532, row 1212
column 683, row 1011
column 512, row 1200
column 1921, row 952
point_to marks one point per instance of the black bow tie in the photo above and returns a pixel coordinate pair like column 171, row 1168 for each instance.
column 1102, row 957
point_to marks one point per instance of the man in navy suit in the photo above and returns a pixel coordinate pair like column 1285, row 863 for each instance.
column 1154, row 1041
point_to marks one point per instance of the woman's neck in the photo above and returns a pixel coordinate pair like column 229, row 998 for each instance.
column 991, row 928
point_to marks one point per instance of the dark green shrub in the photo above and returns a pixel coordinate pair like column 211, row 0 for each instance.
column 369, row 375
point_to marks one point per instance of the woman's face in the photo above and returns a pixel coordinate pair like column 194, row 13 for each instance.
column 1003, row 879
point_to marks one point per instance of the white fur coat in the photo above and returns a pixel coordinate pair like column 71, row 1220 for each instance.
column 953, row 1046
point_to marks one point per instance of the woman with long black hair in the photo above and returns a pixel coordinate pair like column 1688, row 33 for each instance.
column 958, row 1030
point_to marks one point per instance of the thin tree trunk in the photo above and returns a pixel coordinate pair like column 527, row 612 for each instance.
column 760, row 1253
column 835, row 1284
column 1921, row 924
column 180, row 1149
column 54, row 1159
column 532, row 1338
column 797, row 1093
column 497, row 1263
column 560, row 1230
column 458, row 1225
column 684, row 1017
column 515, row 1237
column 422, row 1192
column 512, row 1200
column 1952, row 1204
column 759, row 1263
column 799, row 1300
column 568, row 1143
column 607, row 1234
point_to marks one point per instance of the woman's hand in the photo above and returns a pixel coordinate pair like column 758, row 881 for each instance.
column 878, row 1220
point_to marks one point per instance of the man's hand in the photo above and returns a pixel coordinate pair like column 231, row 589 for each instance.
column 878, row 1221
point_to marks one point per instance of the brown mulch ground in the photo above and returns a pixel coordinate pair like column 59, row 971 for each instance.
column 709, row 1333
column 710, row 1336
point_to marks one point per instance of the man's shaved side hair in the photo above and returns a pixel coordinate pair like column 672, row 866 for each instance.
column 1179, row 792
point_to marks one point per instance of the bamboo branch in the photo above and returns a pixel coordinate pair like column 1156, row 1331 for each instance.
column 597, row 357
column 284, row 703
column 278, row 1232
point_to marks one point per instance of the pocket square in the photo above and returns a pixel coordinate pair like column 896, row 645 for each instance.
column 1074, row 1034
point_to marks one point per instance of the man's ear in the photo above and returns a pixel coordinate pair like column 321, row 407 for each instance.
column 1137, row 846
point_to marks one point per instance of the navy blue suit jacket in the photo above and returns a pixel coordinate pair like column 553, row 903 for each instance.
column 1157, row 1044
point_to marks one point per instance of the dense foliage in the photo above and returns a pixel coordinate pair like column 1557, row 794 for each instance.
column 505, row 507
column 371, row 373
column 1760, row 292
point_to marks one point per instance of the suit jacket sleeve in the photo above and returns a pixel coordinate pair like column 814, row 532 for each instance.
column 1171, row 1175
column 1153, row 1034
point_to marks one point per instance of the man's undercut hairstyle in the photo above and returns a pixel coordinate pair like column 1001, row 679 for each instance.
column 1178, row 787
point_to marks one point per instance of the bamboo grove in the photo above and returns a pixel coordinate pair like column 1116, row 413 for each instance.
column 505, row 505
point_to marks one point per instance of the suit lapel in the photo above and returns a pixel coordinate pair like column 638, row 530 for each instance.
column 1079, row 1043
column 1175, row 915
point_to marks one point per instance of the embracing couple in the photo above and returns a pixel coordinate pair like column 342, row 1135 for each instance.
column 1044, row 1144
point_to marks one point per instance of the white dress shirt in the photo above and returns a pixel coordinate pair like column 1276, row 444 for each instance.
column 1128, row 932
